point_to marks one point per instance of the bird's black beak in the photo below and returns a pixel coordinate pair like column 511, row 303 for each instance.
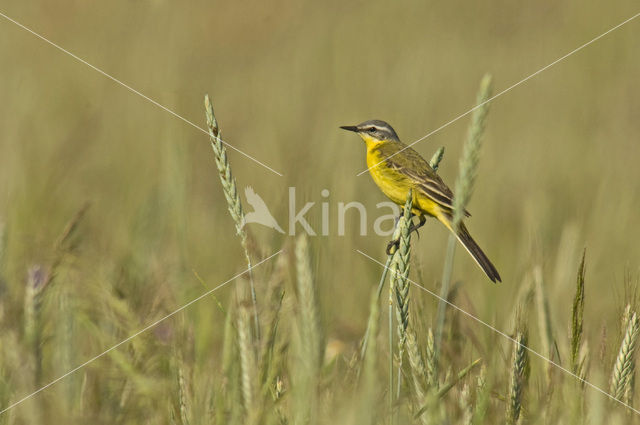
column 349, row 128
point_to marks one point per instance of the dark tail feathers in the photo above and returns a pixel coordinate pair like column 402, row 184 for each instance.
column 465, row 239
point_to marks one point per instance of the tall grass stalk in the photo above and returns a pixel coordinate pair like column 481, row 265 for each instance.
column 36, row 284
column 577, row 318
column 464, row 189
column 399, row 275
column 38, row 280
column 544, row 323
column 434, row 163
column 482, row 397
column 466, row 406
column 270, row 353
column 247, row 364
column 432, row 367
column 416, row 361
column 310, row 345
column 451, row 382
column 183, row 393
column 370, row 377
column 624, row 368
column 519, row 376
column 383, row 278
column 233, row 198
column 229, row 404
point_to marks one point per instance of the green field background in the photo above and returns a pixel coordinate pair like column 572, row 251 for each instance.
column 559, row 168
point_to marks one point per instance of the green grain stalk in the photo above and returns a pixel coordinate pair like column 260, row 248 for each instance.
column 233, row 198
column 38, row 280
column 416, row 361
column 624, row 368
column 450, row 383
column 370, row 379
column 464, row 190
column 519, row 377
column 482, row 397
column 399, row 274
column 434, row 163
column 544, row 324
column 309, row 345
column 183, row 394
column 577, row 319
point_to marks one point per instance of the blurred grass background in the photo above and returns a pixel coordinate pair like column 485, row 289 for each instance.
column 558, row 170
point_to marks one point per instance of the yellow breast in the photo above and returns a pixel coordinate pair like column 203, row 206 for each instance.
column 396, row 185
column 392, row 183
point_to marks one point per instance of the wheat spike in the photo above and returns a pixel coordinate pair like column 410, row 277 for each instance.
column 471, row 152
column 624, row 368
column 466, row 406
column 234, row 203
column 436, row 158
column 518, row 378
column 418, row 369
column 577, row 314
column 399, row 275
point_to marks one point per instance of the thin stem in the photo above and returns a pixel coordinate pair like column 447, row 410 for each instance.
column 385, row 271
column 444, row 293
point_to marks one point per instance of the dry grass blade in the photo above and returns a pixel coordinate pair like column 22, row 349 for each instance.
column 466, row 406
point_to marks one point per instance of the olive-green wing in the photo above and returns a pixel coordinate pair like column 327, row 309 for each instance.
column 411, row 164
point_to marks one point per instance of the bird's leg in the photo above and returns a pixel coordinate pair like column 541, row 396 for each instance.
column 415, row 227
column 394, row 244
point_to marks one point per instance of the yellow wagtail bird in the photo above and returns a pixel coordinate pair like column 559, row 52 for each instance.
column 396, row 168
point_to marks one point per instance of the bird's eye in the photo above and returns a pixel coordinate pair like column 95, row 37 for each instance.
column 372, row 129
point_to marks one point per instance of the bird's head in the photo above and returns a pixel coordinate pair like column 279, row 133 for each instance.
column 373, row 131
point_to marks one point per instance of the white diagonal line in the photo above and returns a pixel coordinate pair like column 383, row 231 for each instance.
column 131, row 89
column 499, row 332
column 25, row 398
column 506, row 90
